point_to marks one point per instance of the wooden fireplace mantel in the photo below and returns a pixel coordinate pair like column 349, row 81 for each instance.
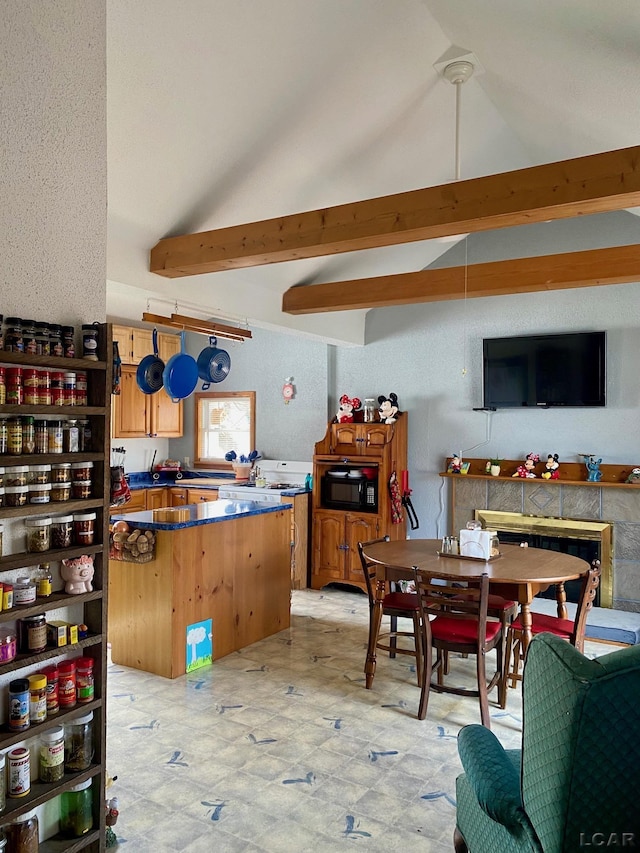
column 571, row 473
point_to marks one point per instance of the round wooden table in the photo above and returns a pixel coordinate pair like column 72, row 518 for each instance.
column 519, row 574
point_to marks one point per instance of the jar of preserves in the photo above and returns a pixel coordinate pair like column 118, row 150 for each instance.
column 62, row 531
column 8, row 645
column 68, row 342
column 84, row 680
column 14, row 436
column 70, row 437
column 81, row 489
column 24, row 591
column 90, row 342
column 60, row 491
column 41, row 437
column 76, row 816
column 84, row 528
column 67, row 691
column 19, row 771
column 37, row 698
column 32, row 634
column 28, row 434
column 53, row 706
column 44, row 578
column 81, row 470
column 38, row 534
column 55, row 436
column 57, row 388
column 31, row 385
column 78, row 742
column 29, row 336
column 51, row 758
column 3, row 387
column 55, row 339
column 16, row 495
column 42, row 339
column 61, row 472
column 81, row 388
column 40, row 493
column 19, row 705
column 17, row 475
column 22, row 833
column 44, row 387
column 39, row 474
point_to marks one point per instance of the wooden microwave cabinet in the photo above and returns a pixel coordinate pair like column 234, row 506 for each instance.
column 336, row 533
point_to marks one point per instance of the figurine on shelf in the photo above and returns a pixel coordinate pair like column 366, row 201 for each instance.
column 593, row 467
column 553, row 467
column 634, row 477
column 527, row 469
column 78, row 574
column 455, row 466
column 348, row 405
column 388, row 408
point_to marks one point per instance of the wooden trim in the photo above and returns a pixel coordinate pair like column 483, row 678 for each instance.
column 571, row 473
column 219, row 464
column 595, row 267
column 593, row 184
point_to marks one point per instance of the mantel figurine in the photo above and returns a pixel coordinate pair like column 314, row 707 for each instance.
column 527, row 469
column 593, row 467
column 348, row 405
column 388, row 408
column 553, row 467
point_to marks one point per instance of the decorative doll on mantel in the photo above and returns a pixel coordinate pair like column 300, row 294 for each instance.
column 526, row 470
column 348, row 405
column 553, row 467
column 388, row 408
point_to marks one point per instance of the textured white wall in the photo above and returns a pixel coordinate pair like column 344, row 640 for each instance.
column 53, row 160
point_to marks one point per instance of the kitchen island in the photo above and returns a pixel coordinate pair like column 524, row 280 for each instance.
column 228, row 561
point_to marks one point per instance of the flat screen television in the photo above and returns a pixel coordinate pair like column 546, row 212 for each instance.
column 545, row 370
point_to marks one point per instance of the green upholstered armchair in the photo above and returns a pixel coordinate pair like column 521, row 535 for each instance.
column 575, row 785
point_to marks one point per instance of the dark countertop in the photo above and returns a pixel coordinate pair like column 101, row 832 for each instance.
column 198, row 514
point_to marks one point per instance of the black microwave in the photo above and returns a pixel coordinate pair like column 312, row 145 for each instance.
column 349, row 492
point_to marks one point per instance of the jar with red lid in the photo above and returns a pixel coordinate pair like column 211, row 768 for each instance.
column 81, row 388
column 44, row 387
column 52, row 673
column 84, row 680
column 67, row 684
column 57, row 388
column 3, row 387
column 30, row 383
column 15, row 390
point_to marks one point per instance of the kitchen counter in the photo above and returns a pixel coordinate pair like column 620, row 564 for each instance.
column 236, row 573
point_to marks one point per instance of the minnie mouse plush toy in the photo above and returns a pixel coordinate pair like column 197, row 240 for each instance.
column 388, row 408
column 348, row 405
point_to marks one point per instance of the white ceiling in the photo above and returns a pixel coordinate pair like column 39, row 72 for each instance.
column 222, row 112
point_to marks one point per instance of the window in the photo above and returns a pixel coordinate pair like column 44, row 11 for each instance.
column 224, row 422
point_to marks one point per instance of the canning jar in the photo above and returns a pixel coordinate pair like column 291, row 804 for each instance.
column 32, row 634
column 16, row 495
column 14, row 436
column 54, row 429
column 369, row 410
column 62, row 531
column 40, row 493
column 52, row 674
column 24, row 591
column 44, row 578
column 37, row 698
column 61, row 472
column 19, row 771
column 19, row 705
column 38, row 534
column 84, row 528
column 51, row 758
column 76, row 816
column 8, row 645
column 28, row 435
column 68, row 342
column 60, row 491
column 81, row 489
column 90, row 342
column 55, row 339
column 30, row 384
column 67, row 690
column 39, row 474
column 70, row 437
column 78, row 742
column 81, row 470
column 22, row 833
column 84, row 680
column 16, row 475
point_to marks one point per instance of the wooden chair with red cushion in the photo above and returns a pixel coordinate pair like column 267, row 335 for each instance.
column 452, row 622
column 395, row 605
column 572, row 631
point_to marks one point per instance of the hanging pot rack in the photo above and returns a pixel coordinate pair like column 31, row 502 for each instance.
column 201, row 327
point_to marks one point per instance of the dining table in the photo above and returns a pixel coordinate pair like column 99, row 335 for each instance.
column 517, row 573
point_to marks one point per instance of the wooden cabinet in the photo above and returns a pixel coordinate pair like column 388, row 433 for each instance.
column 134, row 344
column 138, row 415
column 157, row 498
column 88, row 607
column 178, row 497
column 195, row 496
column 336, row 533
column 136, row 503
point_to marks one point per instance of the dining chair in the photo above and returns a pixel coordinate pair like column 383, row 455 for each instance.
column 454, row 623
column 395, row 605
column 572, row 631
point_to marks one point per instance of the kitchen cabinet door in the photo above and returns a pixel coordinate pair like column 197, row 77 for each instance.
column 157, row 498
column 168, row 345
column 196, row 496
column 178, row 497
column 138, row 415
column 136, row 503
column 360, row 439
column 141, row 344
column 359, row 528
column 166, row 416
column 329, row 544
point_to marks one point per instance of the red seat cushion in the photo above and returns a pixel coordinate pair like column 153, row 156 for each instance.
column 541, row 622
column 401, row 601
column 460, row 630
column 494, row 602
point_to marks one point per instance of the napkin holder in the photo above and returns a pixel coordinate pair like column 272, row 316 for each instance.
column 477, row 543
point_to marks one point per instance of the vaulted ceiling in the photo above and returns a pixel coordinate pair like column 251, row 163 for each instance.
column 223, row 112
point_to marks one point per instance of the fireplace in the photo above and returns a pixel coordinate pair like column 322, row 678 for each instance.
column 586, row 539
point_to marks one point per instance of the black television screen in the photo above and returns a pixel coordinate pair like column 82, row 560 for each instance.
column 545, row 370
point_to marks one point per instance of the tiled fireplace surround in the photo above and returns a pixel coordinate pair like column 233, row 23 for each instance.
column 619, row 507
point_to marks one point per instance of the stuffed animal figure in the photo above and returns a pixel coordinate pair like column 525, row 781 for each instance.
column 593, row 467
column 634, row 476
column 553, row 468
column 388, row 408
column 348, row 405
column 526, row 470
column 78, row 574
column 455, row 466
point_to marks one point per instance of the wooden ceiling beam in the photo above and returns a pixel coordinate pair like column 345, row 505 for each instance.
column 618, row 265
column 593, row 184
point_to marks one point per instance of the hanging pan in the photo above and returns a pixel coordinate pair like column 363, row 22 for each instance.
column 150, row 369
column 213, row 364
column 180, row 374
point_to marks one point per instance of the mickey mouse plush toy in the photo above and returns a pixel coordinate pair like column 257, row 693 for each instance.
column 348, row 405
column 388, row 408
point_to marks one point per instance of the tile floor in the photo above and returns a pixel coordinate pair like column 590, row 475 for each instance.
column 281, row 749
